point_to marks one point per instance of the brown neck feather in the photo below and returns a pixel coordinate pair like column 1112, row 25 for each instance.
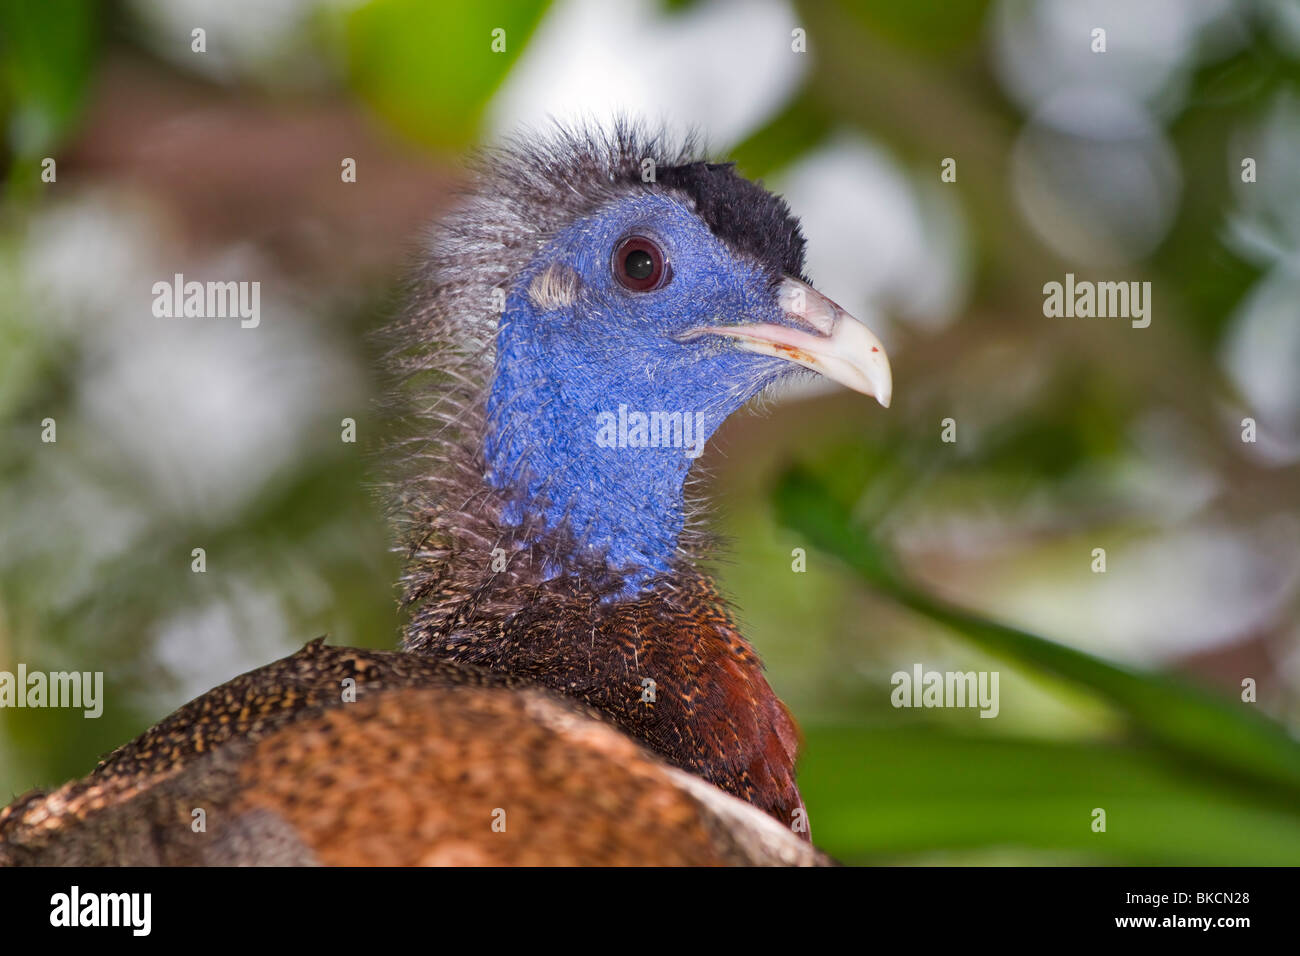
column 669, row 667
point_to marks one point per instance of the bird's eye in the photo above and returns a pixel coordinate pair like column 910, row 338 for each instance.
column 639, row 264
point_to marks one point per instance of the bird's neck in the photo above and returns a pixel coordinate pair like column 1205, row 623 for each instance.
column 668, row 667
column 597, row 450
column 593, row 426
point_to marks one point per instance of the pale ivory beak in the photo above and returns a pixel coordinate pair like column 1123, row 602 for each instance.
column 837, row 345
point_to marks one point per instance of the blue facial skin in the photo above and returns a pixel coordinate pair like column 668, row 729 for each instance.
column 559, row 369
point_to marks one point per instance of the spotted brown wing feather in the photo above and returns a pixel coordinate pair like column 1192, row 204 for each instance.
column 416, row 771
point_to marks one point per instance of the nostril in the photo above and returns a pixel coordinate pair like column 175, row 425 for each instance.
column 808, row 307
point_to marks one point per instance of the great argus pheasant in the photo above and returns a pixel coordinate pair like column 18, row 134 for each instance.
column 572, row 688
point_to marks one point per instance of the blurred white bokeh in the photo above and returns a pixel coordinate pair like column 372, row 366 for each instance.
column 1092, row 170
column 1096, row 177
column 722, row 67
column 269, row 39
column 880, row 241
column 200, row 411
column 1042, row 48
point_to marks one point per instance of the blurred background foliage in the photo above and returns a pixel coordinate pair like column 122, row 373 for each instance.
column 1119, row 690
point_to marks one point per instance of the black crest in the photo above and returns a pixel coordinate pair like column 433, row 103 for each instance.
column 741, row 213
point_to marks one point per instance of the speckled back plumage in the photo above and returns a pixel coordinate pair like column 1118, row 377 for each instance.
column 669, row 668
column 415, row 769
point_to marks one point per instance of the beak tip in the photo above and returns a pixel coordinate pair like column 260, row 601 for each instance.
column 884, row 391
column 841, row 347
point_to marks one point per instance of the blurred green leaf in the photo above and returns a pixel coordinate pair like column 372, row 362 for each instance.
column 47, row 50
column 876, row 793
column 791, row 133
column 1234, row 94
column 928, row 28
column 1190, row 722
column 430, row 68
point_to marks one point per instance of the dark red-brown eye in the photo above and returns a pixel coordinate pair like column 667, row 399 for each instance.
column 639, row 264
